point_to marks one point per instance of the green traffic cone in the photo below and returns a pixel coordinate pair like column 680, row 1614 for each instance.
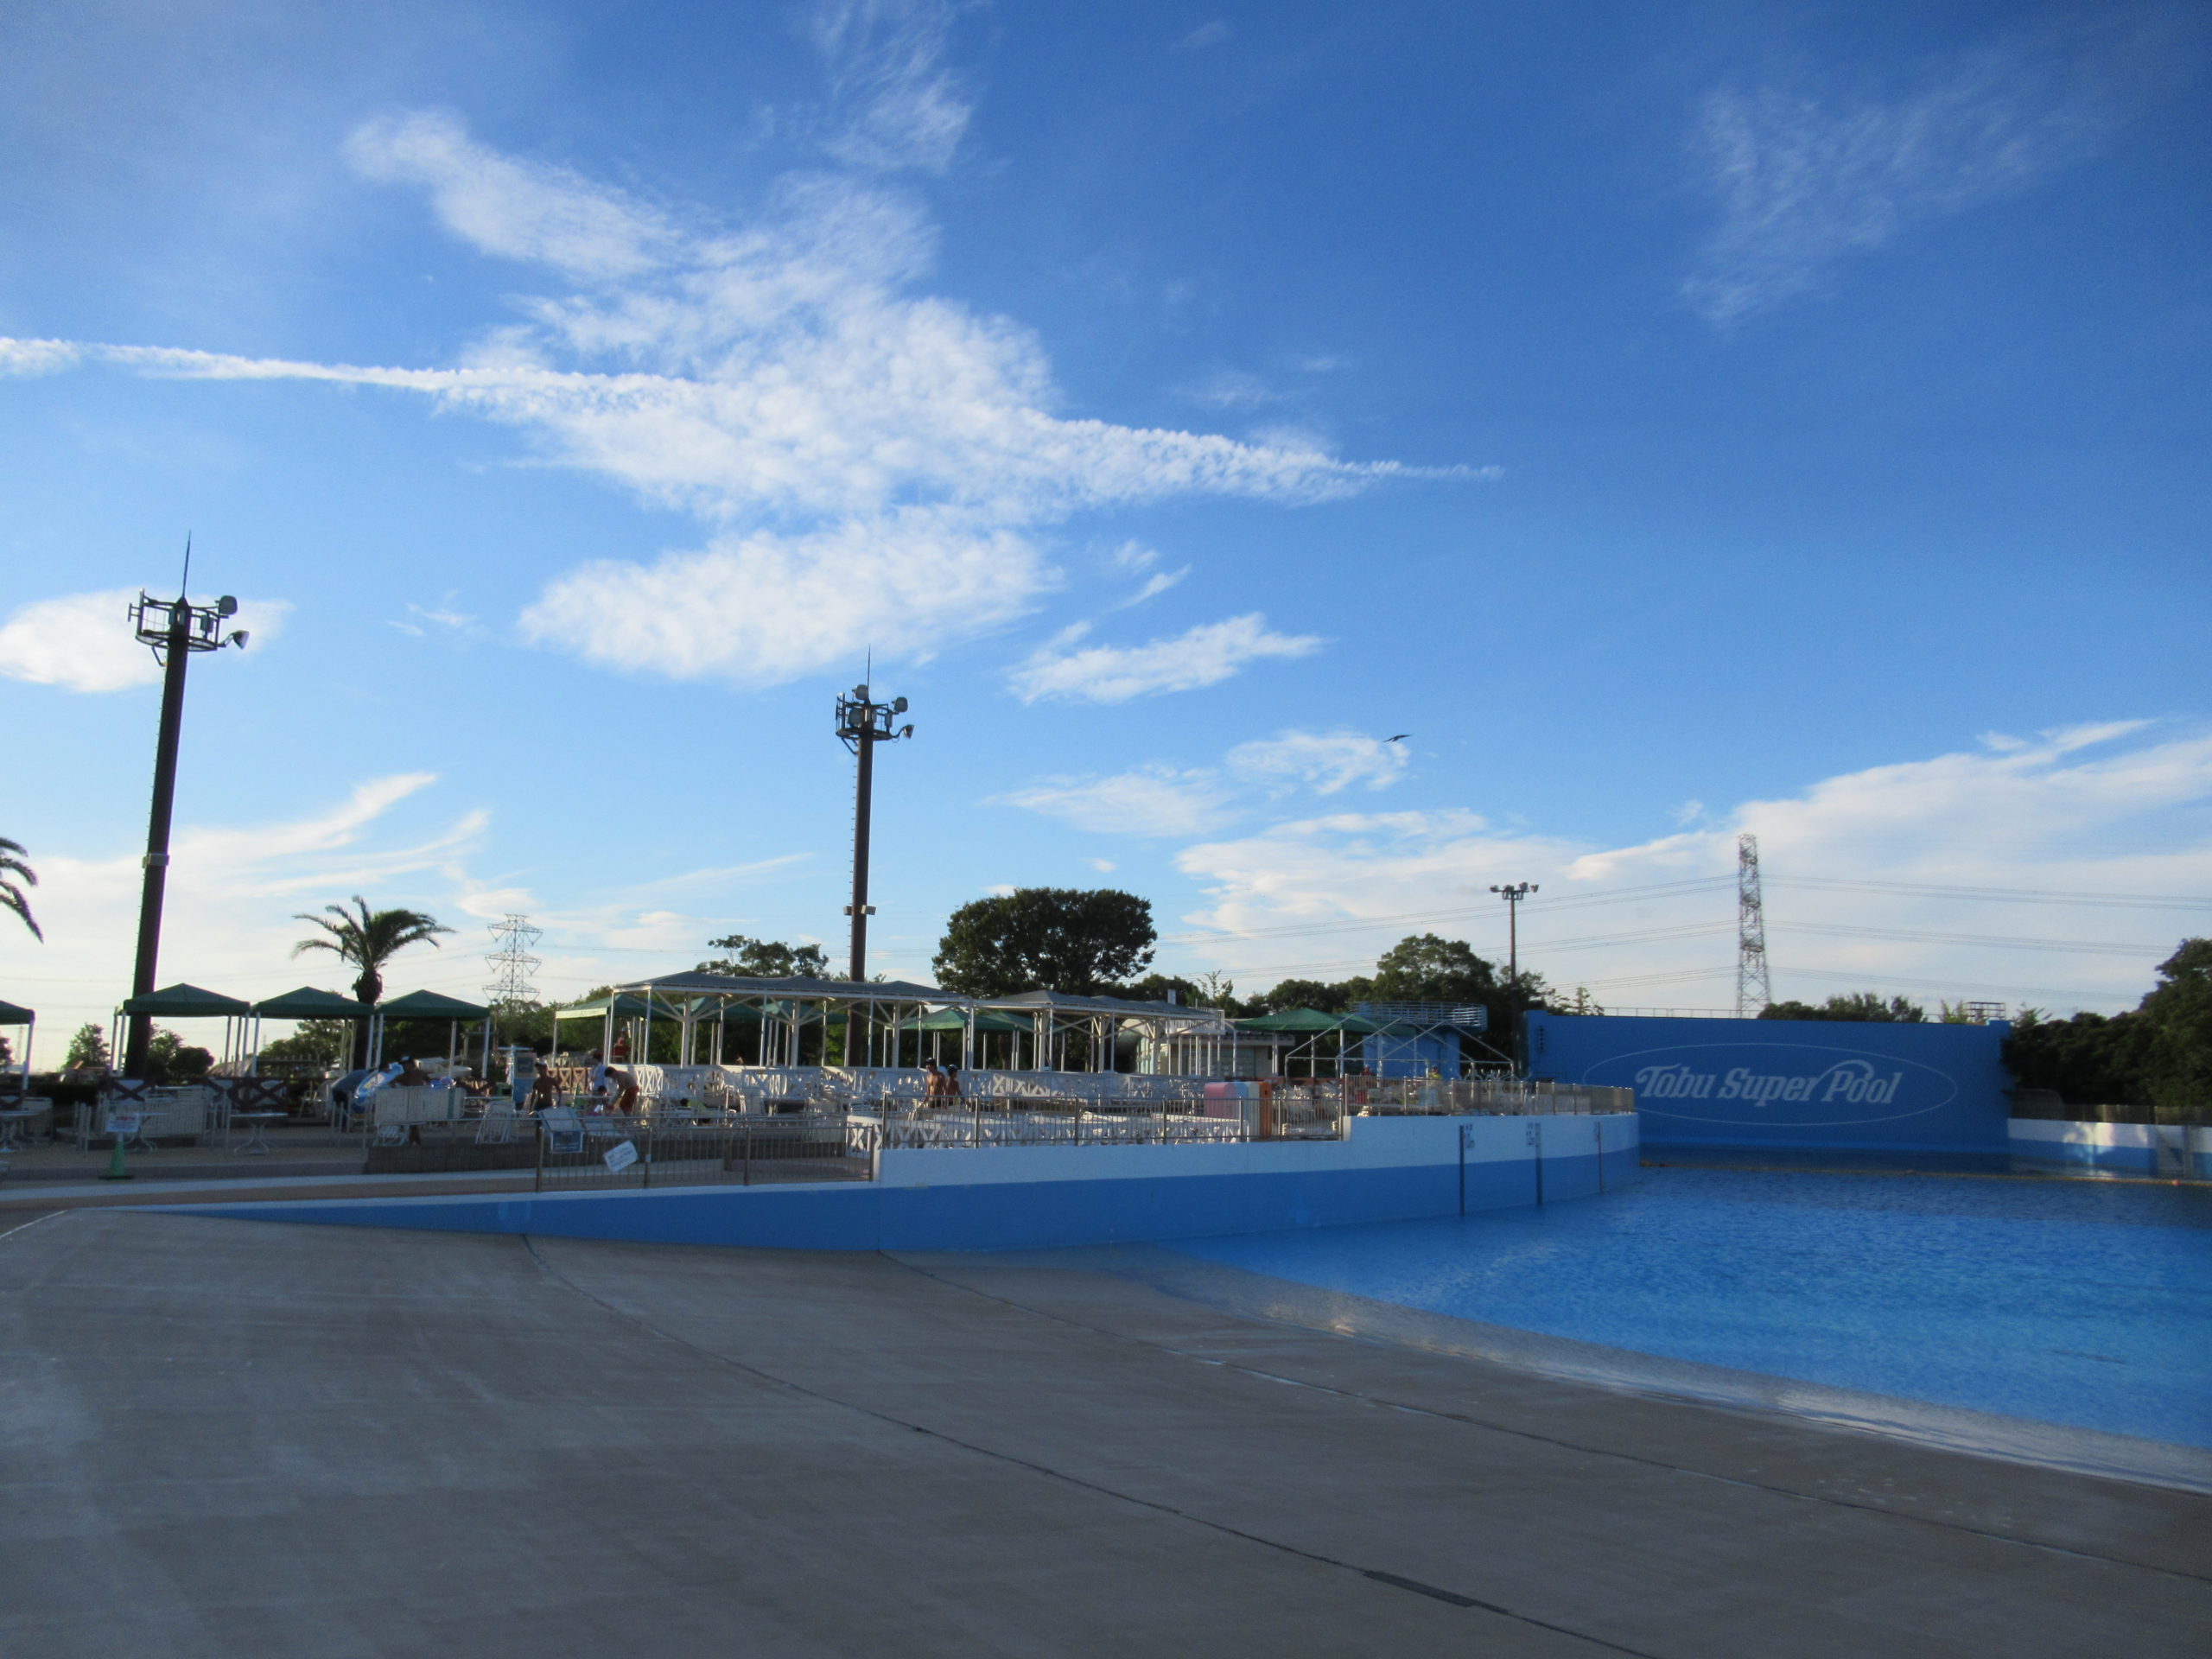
column 116, row 1172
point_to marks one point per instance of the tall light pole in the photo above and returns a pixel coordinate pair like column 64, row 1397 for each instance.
column 1513, row 895
column 863, row 723
column 174, row 628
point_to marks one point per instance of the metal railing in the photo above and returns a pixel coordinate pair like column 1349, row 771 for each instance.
column 576, row 1153
column 986, row 1123
column 1460, row 1096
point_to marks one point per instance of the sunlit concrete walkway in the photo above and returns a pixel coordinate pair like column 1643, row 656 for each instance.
column 232, row 1439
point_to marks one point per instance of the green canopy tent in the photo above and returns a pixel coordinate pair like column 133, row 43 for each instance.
column 182, row 1001
column 12, row 1015
column 1311, row 1025
column 985, row 1022
column 305, row 1003
column 625, row 1007
column 431, row 1005
column 1310, row 1022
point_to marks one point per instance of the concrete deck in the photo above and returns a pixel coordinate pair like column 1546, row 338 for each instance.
column 230, row 1438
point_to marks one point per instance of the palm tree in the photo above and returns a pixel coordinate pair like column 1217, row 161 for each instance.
column 11, row 894
column 369, row 940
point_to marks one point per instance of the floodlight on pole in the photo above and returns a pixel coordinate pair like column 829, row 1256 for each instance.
column 1513, row 894
column 862, row 723
column 173, row 629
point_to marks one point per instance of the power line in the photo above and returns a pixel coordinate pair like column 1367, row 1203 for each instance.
column 2022, row 895
column 1417, row 917
column 1993, row 940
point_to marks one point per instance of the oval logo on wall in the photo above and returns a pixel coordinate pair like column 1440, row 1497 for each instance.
column 1785, row 1085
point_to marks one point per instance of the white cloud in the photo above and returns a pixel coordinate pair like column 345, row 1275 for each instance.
column 1103, row 865
column 443, row 616
column 758, row 609
column 24, row 358
column 900, row 105
column 85, row 642
column 1803, row 182
column 1324, row 762
column 1232, row 388
column 1159, row 800
column 520, row 210
column 234, row 889
column 1951, row 844
column 1156, row 584
column 1133, row 557
column 1149, row 801
column 1205, row 35
column 781, row 382
column 1202, row 655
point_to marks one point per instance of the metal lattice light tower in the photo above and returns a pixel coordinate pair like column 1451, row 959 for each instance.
column 862, row 724
column 1513, row 895
column 511, row 963
column 1753, row 992
column 174, row 628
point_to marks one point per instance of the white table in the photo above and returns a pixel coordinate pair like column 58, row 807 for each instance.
column 256, row 1123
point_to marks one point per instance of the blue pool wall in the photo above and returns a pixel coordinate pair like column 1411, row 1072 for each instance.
column 1030, row 1197
column 2114, row 1149
column 1809, row 1084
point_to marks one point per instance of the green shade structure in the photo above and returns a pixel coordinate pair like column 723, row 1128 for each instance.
column 12, row 1015
column 188, row 1003
column 309, row 1003
column 1312, row 1021
column 428, row 1005
column 625, row 1007
column 953, row 1019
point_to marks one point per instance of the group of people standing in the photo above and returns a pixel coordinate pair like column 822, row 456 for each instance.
column 943, row 1083
column 536, row 1086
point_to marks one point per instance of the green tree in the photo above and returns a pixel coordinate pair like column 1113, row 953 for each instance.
column 319, row 1042
column 2092, row 1060
column 2179, row 1011
column 1860, row 1005
column 170, row 1060
column 1423, row 968
column 88, row 1048
column 750, row 958
column 15, row 876
column 1079, row 941
column 368, row 940
column 1307, row 994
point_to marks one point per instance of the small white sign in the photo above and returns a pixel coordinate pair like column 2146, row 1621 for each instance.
column 620, row 1155
column 124, row 1122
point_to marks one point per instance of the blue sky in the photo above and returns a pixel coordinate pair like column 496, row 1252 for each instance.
column 1680, row 421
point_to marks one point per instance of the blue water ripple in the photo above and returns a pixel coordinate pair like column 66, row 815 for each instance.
column 2088, row 1304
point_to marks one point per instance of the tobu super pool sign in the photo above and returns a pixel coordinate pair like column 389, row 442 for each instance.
column 1782, row 1082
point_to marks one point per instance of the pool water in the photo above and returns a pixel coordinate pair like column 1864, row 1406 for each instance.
column 2082, row 1304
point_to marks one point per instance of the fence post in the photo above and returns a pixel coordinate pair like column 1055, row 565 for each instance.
column 538, row 1184
column 648, row 1178
column 748, row 1178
